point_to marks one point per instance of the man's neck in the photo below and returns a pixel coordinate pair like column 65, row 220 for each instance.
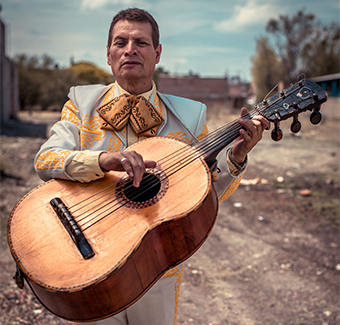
column 135, row 88
column 147, row 95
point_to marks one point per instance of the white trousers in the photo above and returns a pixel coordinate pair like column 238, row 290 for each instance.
column 158, row 306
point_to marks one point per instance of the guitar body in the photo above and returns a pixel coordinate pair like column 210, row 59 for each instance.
column 134, row 242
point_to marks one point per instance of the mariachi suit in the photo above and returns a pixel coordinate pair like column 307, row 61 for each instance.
column 72, row 153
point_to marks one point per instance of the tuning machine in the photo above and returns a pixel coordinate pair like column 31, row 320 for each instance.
column 316, row 116
column 296, row 124
column 277, row 132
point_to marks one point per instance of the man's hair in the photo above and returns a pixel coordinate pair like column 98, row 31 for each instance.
column 136, row 15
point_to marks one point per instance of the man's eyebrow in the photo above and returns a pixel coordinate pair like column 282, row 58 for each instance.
column 138, row 38
column 119, row 37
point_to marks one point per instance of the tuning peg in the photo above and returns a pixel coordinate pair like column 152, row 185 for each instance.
column 296, row 125
column 277, row 133
column 315, row 117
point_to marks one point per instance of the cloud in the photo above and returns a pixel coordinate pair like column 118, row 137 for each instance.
column 252, row 13
column 91, row 4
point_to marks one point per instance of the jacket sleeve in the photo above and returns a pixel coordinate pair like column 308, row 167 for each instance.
column 229, row 177
column 61, row 147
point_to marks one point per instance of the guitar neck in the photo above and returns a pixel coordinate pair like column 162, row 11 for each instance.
column 214, row 142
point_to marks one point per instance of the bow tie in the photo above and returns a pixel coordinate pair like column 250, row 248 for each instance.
column 143, row 117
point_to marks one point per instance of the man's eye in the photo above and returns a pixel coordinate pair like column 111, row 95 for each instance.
column 119, row 43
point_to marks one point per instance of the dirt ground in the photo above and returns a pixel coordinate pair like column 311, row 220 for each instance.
column 273, row 255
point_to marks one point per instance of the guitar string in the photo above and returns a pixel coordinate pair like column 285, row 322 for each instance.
column 149, row 183
column 165, row 158
column 249, row 115
column 192, row 159
column 110, row 209
column 171, row 169
column 175, row 154
column 114, row 187
column 180, row 161
column 149, row 180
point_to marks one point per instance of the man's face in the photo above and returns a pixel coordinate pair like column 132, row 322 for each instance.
column 131, row 55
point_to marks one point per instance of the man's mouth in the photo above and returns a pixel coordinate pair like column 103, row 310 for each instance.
column 130, row 63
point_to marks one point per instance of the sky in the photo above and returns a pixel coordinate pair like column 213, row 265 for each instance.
column 211, row 38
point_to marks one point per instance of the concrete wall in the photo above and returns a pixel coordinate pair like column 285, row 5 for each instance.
column 9, row 93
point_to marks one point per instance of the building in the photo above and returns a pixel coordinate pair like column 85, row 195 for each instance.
column 210, row 91
column 329, row 83
column 9, row 93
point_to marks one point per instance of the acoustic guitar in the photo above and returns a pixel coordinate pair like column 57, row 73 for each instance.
column 88, row 251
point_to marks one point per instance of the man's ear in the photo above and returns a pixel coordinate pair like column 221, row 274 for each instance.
column 108, row 55
column 158, row 53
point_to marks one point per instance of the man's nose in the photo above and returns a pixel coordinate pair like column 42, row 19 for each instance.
column 131, row 49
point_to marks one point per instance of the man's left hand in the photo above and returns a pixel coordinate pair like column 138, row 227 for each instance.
column 250, row 137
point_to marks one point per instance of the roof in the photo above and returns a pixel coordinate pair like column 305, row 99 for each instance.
column 326, row 77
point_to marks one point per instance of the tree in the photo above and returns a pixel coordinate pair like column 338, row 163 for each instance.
column 292, row 35
column 28, row 86
column 42, row 83
column 303, row 47
column 266, row 69
column 321, row 55
column 88, row 73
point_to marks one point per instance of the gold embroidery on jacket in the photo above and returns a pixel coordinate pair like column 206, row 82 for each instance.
column 180, row 136
column 158, row 105
column 204, row 132
column 109, row 95
column 90, row 131
column 68, row 113
column 52, row 160
column 177, row 272
column 114, row 143
column 231, row 189
column 183, row 136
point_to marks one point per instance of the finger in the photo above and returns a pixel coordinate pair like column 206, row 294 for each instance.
column 257, row 126
column 124, row 161
column 135, row 167
column 246, row 136
column 265, row 123
column 251, row 126
column 244, row 111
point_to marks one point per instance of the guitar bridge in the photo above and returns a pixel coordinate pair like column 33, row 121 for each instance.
column 72, row 227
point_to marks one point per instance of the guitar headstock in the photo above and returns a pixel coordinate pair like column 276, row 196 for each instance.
column 300, row 97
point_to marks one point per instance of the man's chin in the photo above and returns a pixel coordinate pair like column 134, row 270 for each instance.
column 131, row 73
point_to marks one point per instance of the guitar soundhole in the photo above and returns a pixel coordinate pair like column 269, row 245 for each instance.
column 151, row 189
column 148, row 188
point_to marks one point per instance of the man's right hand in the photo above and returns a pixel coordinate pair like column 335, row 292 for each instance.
column 130, row 161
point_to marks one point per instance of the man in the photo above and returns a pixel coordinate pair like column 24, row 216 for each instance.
column 87, row 142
